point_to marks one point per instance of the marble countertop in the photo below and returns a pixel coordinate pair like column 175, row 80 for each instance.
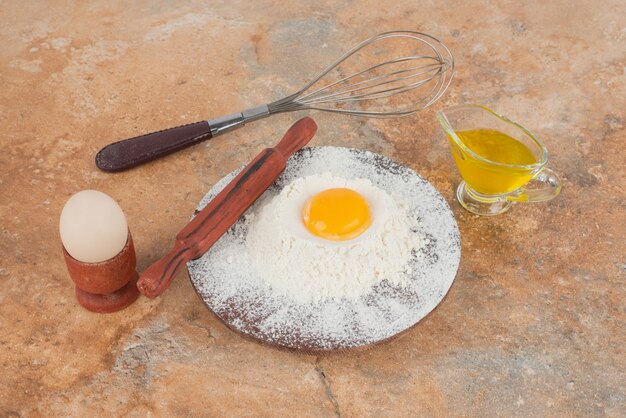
column 535, row 322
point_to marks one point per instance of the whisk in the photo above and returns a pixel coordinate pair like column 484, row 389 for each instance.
column 412, row 71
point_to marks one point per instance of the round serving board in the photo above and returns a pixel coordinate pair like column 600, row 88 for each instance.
column 230, row 286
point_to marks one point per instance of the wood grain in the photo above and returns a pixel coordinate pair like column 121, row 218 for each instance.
column 106, row 276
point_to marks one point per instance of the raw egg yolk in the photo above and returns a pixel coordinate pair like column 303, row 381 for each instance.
column 337, row 214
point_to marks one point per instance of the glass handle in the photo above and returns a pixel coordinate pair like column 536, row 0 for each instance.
column 544, row 186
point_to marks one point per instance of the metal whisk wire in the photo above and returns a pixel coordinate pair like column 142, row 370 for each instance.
column 436, row 69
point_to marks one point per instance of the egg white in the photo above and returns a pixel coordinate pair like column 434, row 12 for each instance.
column 296, row 194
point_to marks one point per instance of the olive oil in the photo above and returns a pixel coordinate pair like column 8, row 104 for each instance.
column 508, row 153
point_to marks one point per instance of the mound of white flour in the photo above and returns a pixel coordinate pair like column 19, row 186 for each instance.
column 310, row 269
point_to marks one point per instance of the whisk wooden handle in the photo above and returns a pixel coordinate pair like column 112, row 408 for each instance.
column 131, row 152
column 223, row 211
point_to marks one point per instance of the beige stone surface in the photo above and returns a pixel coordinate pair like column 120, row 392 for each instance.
column 534, row 324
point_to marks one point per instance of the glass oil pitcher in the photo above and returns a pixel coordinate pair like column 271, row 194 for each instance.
column 500, row 161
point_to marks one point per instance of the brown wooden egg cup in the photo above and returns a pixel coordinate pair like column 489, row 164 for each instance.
column 107, row 286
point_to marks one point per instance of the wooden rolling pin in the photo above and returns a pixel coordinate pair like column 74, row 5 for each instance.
column 223, row 211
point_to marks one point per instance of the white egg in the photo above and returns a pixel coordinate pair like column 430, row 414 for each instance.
column 93, row 227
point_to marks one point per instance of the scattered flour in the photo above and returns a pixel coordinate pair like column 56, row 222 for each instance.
column 310, row 269
column 228, row 279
